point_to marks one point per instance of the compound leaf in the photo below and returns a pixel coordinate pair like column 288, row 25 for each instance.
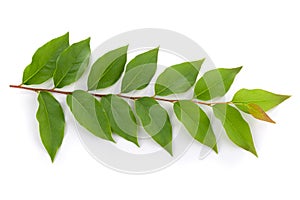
column 196, row 122
column 177, row 78
column 72, row 63
column 155, row 121
column 139, row 71
column 43, row 61
column 215, row 83
column 107, row 69
column 90, row 114
column 121, row 117
column 235, row 126
column 51, row 123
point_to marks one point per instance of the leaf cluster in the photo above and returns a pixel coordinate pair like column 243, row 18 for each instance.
column 111, row 114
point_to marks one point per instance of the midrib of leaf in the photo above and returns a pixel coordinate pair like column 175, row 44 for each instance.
column 67, row 71
column 168, row 88
column 118, row 113
column 235, row 130
column 133, row 79
column 47, row 116
column 105, row 72
column 208, row 88
column 84, row 109
column 35, row 73
column 192, row 118
column 248, row 101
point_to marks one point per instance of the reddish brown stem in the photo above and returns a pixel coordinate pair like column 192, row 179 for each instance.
column 102, row 95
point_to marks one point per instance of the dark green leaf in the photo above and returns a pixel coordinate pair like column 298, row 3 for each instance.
column 139, row 71
column 51, row 123
column 196, row 122
column 235, row 126
column 155, row 121
column 264, row 99
column 72, row 63
column 215, row 83
column 177, row 78
column 121, row 117
column 107, row 69
column 90, row 114
column 43, row 61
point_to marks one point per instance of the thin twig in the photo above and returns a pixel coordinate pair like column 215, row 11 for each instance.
column 102, row 95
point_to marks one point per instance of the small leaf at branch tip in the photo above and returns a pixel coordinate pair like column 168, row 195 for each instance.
column 254, row 153
column 286, row 96
column 257, row 112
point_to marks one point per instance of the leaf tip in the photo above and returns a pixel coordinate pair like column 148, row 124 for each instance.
column 215, row 148
column 52, row 156
column 256, row 155
column 239, row 68
column 198, row 63
column 285, row 97
column 88, row 39
column 168, row 148
column 253, row 151
column 125, row 46
column 137, row 144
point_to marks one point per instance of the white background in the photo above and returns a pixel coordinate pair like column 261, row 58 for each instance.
column 263, row 36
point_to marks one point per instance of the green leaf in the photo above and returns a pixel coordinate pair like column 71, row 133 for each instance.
column 108, row 69
column 72, row 63
column 196, row 122
column 43, row 61
column 264, row 99
column 258, row 113
column 139, row 71
column 215, row 83
column 235, row 126
column 177, row 78
column 90, row 114
column 121, row 117
column 155, row 121
column 51, row 123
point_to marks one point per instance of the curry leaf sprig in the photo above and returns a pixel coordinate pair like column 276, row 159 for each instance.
column 104, row 115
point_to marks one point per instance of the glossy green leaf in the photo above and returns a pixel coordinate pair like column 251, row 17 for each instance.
column 72, row 63
column 196, row 122
column 43, row 61
column 155, row 121
column 177, row 78
column 264, row 99
column 215, row 83
column 139, row 71
column 121, row 117
column 51, row 123
column 108, row 69
column 235, row 126
column 90, row 114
